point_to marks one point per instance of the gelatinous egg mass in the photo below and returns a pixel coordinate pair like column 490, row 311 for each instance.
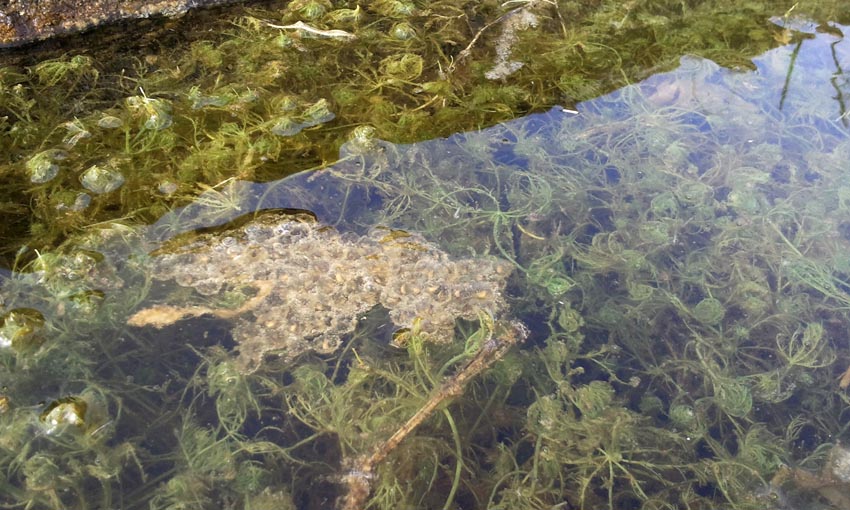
column 293, row 285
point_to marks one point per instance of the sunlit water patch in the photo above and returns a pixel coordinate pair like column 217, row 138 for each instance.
column 676, row 254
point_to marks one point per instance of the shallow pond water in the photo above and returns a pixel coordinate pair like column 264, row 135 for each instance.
column 624, row 290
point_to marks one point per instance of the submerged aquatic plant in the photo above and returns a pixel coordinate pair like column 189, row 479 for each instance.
column 207, row 110
column 675, row 260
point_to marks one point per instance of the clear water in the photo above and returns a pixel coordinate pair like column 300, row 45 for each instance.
column 677, row 250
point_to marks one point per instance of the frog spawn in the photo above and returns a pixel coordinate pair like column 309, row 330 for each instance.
column 292, row 286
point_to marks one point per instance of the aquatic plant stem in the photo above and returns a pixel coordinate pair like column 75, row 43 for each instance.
column 459, row 462
column 359, row 477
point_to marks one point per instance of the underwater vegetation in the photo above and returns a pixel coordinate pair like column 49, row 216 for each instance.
column 266, row 90
column 649, row 289
column 680, row 265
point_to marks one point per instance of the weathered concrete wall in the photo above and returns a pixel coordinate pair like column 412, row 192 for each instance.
column 23, row 21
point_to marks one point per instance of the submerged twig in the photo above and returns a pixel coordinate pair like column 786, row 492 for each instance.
column 160, row 316
column 358, row 480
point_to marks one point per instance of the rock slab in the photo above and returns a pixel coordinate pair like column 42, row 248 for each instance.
column 25, row 21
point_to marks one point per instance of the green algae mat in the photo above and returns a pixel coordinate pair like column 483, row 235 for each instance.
column 440, row 255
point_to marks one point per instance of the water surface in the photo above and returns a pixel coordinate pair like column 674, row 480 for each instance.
column 677, row 248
